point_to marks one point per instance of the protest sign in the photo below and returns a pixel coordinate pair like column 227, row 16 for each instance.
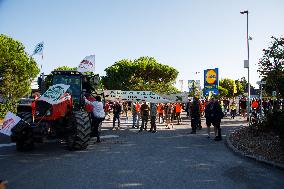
column 54, row 94
column 10, row 121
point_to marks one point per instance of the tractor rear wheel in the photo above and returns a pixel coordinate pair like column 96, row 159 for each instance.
column 80, row 129
column 23, row 133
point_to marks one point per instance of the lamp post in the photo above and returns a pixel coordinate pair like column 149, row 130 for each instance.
column 247, row 66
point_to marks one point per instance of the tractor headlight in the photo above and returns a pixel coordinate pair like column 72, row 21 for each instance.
column 48, row 112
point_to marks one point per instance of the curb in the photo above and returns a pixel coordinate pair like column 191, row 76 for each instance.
column 255, row 158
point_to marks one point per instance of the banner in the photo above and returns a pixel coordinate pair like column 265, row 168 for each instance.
column 179, row 97
column 112, row 95
column 54, row 94
column 38, row 49
column 10, row 121
column 87, row 64
column 147, row 96
column 211, row 81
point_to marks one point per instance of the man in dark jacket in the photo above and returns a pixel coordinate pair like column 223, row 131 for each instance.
column 194, row 114
column 116, row 114
column 144, row 115
column 153, row 114
column 213, row 115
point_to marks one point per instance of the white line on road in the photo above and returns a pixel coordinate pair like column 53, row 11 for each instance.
column 7, row 145
column 109, row 136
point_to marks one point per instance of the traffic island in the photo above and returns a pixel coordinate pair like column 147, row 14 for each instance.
column 262, row 147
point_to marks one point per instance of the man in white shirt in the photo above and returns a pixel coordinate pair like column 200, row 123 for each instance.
column 98, row 115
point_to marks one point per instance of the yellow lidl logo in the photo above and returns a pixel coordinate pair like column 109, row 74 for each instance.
column 211, row 76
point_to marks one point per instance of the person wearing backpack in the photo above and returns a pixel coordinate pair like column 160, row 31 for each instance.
column 213, row 115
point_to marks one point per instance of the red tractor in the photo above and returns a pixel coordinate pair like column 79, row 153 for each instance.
column 69, row 120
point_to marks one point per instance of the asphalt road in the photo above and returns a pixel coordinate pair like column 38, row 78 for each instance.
column 170, row 158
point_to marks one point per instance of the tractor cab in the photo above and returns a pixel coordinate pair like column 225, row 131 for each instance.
column 74, row 79
column 79, row 84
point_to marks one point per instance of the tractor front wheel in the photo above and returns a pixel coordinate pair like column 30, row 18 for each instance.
column 79, row 131
column 23, row 133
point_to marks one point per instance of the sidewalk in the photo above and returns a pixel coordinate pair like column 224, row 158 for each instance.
column 249, row 154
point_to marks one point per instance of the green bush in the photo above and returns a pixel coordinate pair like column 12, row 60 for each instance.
column 275, row 123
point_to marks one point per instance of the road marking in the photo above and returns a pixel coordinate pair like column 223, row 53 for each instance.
column 7, row 145
column 109, row 136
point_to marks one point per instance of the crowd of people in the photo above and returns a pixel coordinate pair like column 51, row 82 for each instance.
column 166, row 113
column 170, row 113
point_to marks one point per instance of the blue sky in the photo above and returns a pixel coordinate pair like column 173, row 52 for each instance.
column 190, row 35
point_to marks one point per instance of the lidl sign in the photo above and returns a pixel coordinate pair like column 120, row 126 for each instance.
column 211, row 81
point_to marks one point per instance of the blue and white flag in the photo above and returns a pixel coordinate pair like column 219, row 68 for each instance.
column 38, row 49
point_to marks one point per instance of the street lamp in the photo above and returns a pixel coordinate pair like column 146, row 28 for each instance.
column 247, row 66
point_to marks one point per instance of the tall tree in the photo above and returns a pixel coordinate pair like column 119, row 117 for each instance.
column 222, row 91
column 240, row 87
column 17, row 70
column 271, row 66
column 228, row 84
column 144, row 73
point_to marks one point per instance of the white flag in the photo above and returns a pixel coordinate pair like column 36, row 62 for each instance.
column 54, row 94
column 87, row 64
column 10, row 121
column 181, row 84
column 38, row 48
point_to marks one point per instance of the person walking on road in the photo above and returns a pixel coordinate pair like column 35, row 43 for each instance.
column 178, row 112
column 144, row 116
column 98, row 116
column 138, row 107
column 213, row 115
column 125, row 110
column 153, row 114
column 134, row 115
column 233, row 108
column 116, row 114
column 209, row 117
column 187, row 108
column 107, row 110
column 194, row 114
column 168, row 115
column 160, row 110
